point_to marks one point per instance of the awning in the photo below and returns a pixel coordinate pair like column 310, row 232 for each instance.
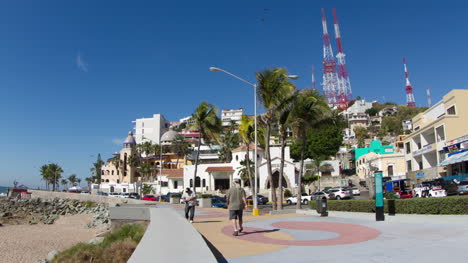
column 456, row 158
column 219, row 169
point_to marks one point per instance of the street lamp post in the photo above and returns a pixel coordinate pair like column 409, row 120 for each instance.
column 255, row 211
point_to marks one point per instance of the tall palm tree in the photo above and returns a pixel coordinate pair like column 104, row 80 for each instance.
column 147, row 148
column 64, row 182
column 180, row 147
column 55, row 174
column 72, row 179
column 133, row 161
column 117, row 164
column 97, row 167
column 208, row 124
column 145, row 169
column 309, row 109
column 89, row 181
column 284, row 124
column 45, row 174
column 246, row 132
column 273, row 87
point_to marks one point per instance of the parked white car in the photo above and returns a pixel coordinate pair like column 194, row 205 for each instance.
column 356, row 191
column 305, row 199
column 340, row 193
column 426, row 190
column 463, row 187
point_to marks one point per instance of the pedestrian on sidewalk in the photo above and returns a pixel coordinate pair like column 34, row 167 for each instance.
column 236, row 203
column 190, row 199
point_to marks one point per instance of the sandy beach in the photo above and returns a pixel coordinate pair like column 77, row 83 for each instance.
column 30, row 243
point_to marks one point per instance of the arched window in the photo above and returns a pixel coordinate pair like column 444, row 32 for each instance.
column 107, row 180
column 118, row 181
column 112, row 172
column 118, row 172
column 125, row 165
column 197, row 181
column 176, row 184
column 191, row 182
column 102, row 172
column 237, row 157
column 203, row 183
column 107, row 172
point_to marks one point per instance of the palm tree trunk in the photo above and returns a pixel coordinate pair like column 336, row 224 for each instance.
column 196, row 165
column 270, row 174
column 299, row 180
column 252, row 187
column 280, row 180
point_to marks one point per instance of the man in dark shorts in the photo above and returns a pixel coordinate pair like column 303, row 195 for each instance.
column 236, row 202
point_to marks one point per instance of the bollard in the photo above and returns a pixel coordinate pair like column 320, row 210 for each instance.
column 379, row 201
column 391, row 207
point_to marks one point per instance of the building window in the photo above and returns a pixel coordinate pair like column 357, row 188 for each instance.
column 142, row 124
column 176, row 184
column 420, row 165
column 164, row 184
column 118, row 172
column 112, row 172
column 142, row 131
column 103, row 181
column 203, row 183
column 237, row 157
column 191, row 182
column 451, row 110
column 408, row 147
column 408, row 166
column 102, row 172
column 124, row 190
column 118, row 181
column 390, row 170
column 197, row 181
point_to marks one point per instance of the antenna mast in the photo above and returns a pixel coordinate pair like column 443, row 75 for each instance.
column 428, row 93
column 344, row 85
column 410, row 102
column 329, row 66
column 314, row 87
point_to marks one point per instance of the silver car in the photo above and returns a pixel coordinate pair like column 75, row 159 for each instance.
column 463, row 187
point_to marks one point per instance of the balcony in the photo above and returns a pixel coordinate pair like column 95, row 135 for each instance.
column 425, row 149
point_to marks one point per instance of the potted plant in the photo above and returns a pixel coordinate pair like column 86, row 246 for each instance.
column 174, row 198
column 205, row 200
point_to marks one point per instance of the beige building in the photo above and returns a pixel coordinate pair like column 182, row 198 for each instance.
column 424, row 147
column 392, row 165
column 119, row 178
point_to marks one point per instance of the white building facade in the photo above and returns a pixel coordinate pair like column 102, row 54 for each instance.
column 150, row 129
column 227, row 116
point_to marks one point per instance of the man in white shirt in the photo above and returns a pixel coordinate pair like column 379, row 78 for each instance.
column 190, row 200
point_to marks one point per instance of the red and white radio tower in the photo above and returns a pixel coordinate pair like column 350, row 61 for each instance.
column 410, row 102
column 329, row 66
column 314, row 87
column 344, row 85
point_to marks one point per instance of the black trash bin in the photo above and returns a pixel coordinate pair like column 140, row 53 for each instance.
column 322, row 206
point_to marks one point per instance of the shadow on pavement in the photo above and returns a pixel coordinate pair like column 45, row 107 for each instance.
column 243, row 233
column 219, row 257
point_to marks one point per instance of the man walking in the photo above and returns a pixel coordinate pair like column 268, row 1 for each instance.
column 236, row 202
column 189, row 198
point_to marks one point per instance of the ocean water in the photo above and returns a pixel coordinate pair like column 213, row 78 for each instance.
column 3, row 189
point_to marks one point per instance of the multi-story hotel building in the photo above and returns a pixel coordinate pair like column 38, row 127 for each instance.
column 432, row 129
column 150, row 129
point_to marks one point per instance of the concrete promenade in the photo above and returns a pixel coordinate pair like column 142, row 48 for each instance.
column 341, row 237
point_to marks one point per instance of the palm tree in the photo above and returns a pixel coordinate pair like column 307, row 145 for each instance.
column 180, row 147
column 133, row 161
column 246, row 132
column 209, row 125
column 145, row 169
column 89, row 181
column 55, row 174
column 273, row 87
column 309, row 109
column 64, row 182
column 284, row 123
column 245, row 173
column 147, row 148
column 72, row 179
column 97, row 169
column 117, row 164
column 78, row 181
column 45, row 174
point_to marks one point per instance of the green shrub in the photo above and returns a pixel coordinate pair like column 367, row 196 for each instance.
column 89, row 204
column 204, row 196
column 287, row 193
column 117, row 247
column 175, row 195
column 390, row 195
column 452, row 205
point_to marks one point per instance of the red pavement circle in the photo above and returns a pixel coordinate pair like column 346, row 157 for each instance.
column 348, row 233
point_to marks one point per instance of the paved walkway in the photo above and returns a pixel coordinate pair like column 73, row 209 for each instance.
column 341, row 237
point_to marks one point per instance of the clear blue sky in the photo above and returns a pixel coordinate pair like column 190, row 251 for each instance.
column 74, row 74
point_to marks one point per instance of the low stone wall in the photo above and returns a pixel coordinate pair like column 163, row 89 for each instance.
column 83, row 197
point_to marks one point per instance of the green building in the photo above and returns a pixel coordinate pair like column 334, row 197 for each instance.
column 375, row 147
